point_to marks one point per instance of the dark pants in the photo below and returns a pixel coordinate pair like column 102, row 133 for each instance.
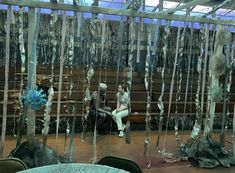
column 100, row 118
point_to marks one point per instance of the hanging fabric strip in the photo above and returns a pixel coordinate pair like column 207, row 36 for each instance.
column 94, row 159
column 140, row 31
column 5, row 99
column 156, row 36
column 160, row 102
column 197, row 124
column 188, row 74
column 179, row 82
column 172, row 85
column 204, row 70
column 232, row 61
column 15, row 55
column 120, row 36
column 45, row 130
column 131, row 55
column 148, row 106
column 72, row 134
column 87, row 98
column 234, row 130
column 71, row 53
column 67, row 131
column 206, row 126
column 219, row 66
column 70, row 59
column 103, row 39
column 79, row 34
column 154, row 57
column 22, row 115
column 226, row 91
column 62, row 58
column 130, row 69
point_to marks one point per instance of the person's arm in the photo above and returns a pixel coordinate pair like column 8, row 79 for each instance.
column 118, row 103
column 124, row 105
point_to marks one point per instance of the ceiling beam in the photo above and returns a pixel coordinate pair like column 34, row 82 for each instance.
column 186, row 5
column 211, row 3
column 120, row 12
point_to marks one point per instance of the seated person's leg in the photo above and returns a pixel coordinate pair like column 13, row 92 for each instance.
column 119, row 117
column 101, row 117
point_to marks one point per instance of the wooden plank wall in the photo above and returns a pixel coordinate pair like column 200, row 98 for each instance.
column 138, row 93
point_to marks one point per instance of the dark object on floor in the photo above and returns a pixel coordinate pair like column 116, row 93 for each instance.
column 208, row 153
column 120, row 163
column 12, row 165
column 38, row 156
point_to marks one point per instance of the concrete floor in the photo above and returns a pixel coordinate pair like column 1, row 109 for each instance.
column 111, row 144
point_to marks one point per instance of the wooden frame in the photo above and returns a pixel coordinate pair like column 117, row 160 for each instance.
column 120, row 12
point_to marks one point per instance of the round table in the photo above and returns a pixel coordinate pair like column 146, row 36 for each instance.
column 74, row 168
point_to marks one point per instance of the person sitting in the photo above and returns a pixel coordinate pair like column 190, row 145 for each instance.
column 98, row 107
column 121, row 110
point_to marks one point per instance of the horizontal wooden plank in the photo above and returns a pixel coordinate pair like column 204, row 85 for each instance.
column 124, row 12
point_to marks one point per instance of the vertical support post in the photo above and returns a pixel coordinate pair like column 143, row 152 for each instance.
column 5, row 99
column 33, row 29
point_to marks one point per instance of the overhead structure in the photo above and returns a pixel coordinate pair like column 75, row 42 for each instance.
column 123, row 12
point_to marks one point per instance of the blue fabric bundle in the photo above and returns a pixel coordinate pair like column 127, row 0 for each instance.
column 35, row 99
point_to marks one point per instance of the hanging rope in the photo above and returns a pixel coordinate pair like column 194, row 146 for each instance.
column 5, row 99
